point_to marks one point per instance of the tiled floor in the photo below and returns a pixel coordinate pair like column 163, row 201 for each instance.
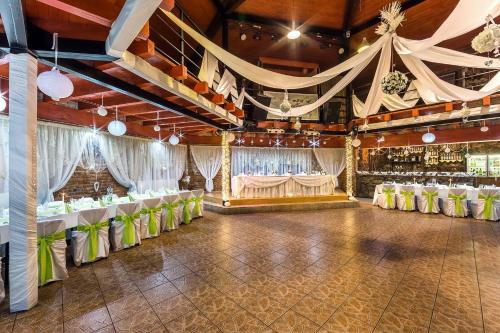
column 344, row 270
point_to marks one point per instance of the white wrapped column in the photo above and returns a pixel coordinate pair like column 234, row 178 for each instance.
column 23, row 269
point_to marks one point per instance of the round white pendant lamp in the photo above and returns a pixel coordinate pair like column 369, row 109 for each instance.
column 174, row 139
column 156, row 128
column 356, row 142
column 483, row 128
column 285, row 106
column 293, row 34
column 117, row 127
column 230, row 137
column 428, row 137
column 101, row 110
column 53, row 83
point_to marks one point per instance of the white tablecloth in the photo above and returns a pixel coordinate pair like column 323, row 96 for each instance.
column 281, row 186
column 472, row 193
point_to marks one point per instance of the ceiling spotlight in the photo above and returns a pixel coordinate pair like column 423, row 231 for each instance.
column 274, row 37
column 257, row 36
column 341, row 50
column 364, row 45
column 428, row 137
column 293, row 34
column 243, row 36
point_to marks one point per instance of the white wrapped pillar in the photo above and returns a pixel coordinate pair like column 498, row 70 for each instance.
column 23, row 269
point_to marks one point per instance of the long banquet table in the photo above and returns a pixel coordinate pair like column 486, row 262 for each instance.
column 243, row 186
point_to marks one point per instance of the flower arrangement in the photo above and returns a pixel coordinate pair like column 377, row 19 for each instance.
column 391, row 18
column 394, row 82
column 488, row 39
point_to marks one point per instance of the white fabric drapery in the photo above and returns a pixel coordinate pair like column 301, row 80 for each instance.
column 209, row 66
column 4, row 156
column 208, row 160
column 59, row 152
column 263, row 160
column 331, row 160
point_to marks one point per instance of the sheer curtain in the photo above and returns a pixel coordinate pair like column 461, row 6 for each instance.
column 331, row 160
column 256, row 160
column 59, row 152
column 4, row 156
column 208, row 160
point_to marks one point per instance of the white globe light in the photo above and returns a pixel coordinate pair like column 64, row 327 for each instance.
column 156, row 128
column 428, row 137
column 101, row 110
column 285, row 106
column 230, row 137
column 483, row 128
column 294, row 34
column 356, row 142
column 3, row 103
column 117, row 128
column 174, row 139
column 447, row 150
column 389, row 156
column 54, row 84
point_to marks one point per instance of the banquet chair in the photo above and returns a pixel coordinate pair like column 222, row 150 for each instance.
column 170, row 213
column 428, row 201
column 150, row 218
column 197, row 210
column 90, row 240
column 126, row 227
column 376, row 193
column 387, row 199
column 455, row 204
column 51, row 245
column 186, row 204
column 487, row 206
column 405, row 199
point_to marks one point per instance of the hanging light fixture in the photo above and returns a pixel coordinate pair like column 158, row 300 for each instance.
column 230, row 137
column 297, row 125
column 428, row 137
column 467, row 155
column 364, row 45
column 117, row 127
column 52, row 83
column 174, row 139
column 157, row 126
column 101, row 110
column 293, row 34
column 285, row 106
column 483, row 128
column 356, row 142
column 447, row 149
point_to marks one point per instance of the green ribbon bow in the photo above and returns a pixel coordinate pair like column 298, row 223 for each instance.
column 388, row 193
column 128, row 235
column 92, row 230
column 45, row 271
column 130, row 198
column 170, row 206
column 186, row 213
column 153, row 222
column 430, row 199
column 197, row 205
column 458, row 202
column 408, row 196
column 68, row 208
column 488, row 204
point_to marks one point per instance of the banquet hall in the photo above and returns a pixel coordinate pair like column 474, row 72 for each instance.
column 249, row 166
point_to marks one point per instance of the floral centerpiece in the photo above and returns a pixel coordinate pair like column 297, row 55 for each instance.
column 487, row 40
column 394, row 82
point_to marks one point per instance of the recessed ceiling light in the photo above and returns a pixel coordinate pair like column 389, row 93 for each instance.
column 294, row 34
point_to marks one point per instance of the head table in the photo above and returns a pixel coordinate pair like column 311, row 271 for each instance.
column 244, row 186
column 68, row 212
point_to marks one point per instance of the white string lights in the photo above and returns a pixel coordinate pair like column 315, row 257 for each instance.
column 226, row 168
column 349, row 165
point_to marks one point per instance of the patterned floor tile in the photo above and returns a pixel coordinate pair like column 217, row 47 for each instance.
column 291, row 321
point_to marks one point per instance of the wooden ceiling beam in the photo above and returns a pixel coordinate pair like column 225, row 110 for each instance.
column 86, row 9
column 14, row 24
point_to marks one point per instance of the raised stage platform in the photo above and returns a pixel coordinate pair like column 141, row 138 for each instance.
column 213, row 202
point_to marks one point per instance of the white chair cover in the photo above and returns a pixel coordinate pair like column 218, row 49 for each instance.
column 90, row 241
column 387, row 199
column 186, row 204
column 428, row 201
column 455, row 204
column 126, row 227
column 51, row 251
column 2, row 287
column 150, row 218
column 405, row 199
column 487, row 206
column 197, row 210
column 170, row 213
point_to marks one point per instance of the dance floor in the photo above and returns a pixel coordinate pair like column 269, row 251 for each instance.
column 342, row 270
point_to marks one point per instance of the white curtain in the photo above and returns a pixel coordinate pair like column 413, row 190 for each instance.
column 331, row 160
column 4, row 156
column 208, row 160
column 256, row 160
column 209, row 66
column 59, row 152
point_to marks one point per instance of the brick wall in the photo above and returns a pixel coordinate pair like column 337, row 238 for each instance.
column 81, row 184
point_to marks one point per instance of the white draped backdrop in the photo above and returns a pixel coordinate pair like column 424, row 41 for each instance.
column 208, row 160
column 135, row 163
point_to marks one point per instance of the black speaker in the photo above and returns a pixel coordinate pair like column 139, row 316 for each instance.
column 330, row 113
column 257, row 113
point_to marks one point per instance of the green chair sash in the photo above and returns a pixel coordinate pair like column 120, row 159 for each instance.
column 45, row 270
column 186, row 213
column 430, row 200
column 152, row 222
column 169, row 207
column 458, row 202
column 488, row 204
column 389, row 194
column 408, row 196
column 92, row 230
column 128, row 235
column 130, row 198
column 68, row 208
column 197, row 205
